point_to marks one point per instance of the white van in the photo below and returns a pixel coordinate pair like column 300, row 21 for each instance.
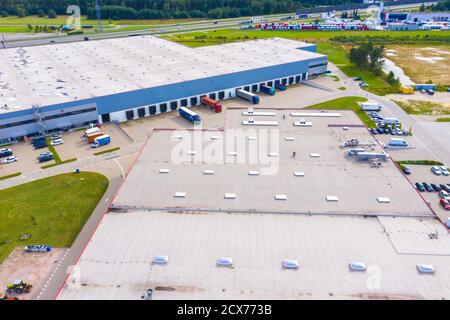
column 397, row 142
column 391, row 121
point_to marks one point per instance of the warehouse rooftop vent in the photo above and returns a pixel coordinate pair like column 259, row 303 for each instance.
column 208, row 171
column 229, row 196
column 164, row 170
column 180, row 194
column 332, row 198
column 280, row 197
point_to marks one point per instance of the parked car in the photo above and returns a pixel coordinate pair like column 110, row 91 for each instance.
column 423, row 91
column 357, row 266
column 380, row 130
column 435, row 187
column 426, row 268
column 406, row 171
column 445, row 204
column 5, row 152
column 428, row 187
column 56, row 136
column 357, row 79
column 399, row 132
column 10, row 159
column 429, row 91
column 436, row 170
column 420, row 187
column 445, row 187
column 45, row 156
column 148, row 295
column 57, row 142
column 374, row 131
column 363, row 84
column 444, row 171
column 444, row 195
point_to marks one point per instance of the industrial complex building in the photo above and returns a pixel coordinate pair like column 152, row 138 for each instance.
column 61, row 87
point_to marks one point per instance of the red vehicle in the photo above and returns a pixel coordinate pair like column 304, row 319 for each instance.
column 213, row 104
column 445, row 203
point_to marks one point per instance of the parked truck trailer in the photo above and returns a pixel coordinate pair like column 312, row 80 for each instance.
column 212, row 104
column 91, row 136
column 251, row 97
column 269, row 90
column 370, row 106
column 189, row 115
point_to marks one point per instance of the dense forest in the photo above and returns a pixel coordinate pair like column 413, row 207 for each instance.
column 164, row 9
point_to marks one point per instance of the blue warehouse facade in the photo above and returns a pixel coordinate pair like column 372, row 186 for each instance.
column 153, row 100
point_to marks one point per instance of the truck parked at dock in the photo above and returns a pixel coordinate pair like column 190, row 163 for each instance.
column 101, row 141
column 189, row 115
column 212, row 104
column 250, row 97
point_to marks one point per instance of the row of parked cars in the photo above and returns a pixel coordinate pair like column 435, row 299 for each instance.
column 8, row 155
column 443, row 189
column 440, row 170
column 393, row 128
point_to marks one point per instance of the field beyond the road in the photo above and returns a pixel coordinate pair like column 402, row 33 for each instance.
column 51, row 211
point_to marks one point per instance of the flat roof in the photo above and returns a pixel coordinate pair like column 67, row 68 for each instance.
column 117, row 263
column 355, row 183
column 53, row 74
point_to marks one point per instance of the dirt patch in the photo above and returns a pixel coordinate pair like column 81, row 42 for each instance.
column 32, row 268
column 424, row 107
column 422, row 64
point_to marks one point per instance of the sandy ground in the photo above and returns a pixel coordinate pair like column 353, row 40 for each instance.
column 32, row 268
column 422, row 63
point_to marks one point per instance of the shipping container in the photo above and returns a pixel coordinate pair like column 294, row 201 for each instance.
column 251, row 97
column 91, row 137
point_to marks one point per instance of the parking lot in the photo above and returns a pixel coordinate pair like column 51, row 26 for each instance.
column 356, row 185
column 74, row 146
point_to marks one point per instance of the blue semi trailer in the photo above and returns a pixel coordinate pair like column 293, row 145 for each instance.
column 189, row 115
column 251, row 97
column 280, row 86
column 269, row 90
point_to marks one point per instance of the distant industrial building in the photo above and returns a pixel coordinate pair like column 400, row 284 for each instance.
column 416, row 17
column 65, row 86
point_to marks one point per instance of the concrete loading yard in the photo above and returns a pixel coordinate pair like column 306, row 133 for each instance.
column 356, row 185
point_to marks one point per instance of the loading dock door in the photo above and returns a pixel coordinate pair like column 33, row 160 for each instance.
column 284, row 81
column 173, row 105
column 297, row 79
column 247, row 88
column 152, row 110
column 270, row 83
column 291, row 80
column 106, row 118
column 254, row 88
column 221, row 95
column 212, row 96
column 141, row 112
column 193, row 101
column 183, row 103
column 163, row 107
column 130, row 114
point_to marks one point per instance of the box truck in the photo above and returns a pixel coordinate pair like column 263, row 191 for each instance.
column 90, row 137
column 39, row 142
column 269, row 90
column 189, row 115
column 101, row 141
column 370, row 106
column 212, row 104
column 251, row 97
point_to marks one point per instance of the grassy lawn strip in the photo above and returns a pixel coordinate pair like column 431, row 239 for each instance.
column 423, row 107
column 106, row 151
column 51, row 210
column 11, row 175
column 53, row 150
column 421, row 162
column 58, row 163
column 443, row 119
column 346, row 103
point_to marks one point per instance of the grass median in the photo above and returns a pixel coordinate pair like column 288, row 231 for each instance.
column 49, row 211
column 106, row 151
column 346, row 103
column 11, row 176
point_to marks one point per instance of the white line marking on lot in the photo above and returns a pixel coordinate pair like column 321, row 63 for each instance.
column 121, row 169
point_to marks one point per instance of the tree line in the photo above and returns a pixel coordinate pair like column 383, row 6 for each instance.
column 163, row 9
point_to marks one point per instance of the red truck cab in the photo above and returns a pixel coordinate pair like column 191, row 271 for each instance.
column 213, row 104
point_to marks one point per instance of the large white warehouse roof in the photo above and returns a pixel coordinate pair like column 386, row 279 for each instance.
column 60, row 73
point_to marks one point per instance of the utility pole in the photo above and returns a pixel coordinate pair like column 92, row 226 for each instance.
column 98, row 9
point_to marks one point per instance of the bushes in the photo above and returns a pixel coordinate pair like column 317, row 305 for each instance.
column 420, row 162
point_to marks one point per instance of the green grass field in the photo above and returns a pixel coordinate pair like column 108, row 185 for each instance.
column 14, row 29
column 63, row 20
column 346, row 103
column 51, row 210
column 337, row 53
